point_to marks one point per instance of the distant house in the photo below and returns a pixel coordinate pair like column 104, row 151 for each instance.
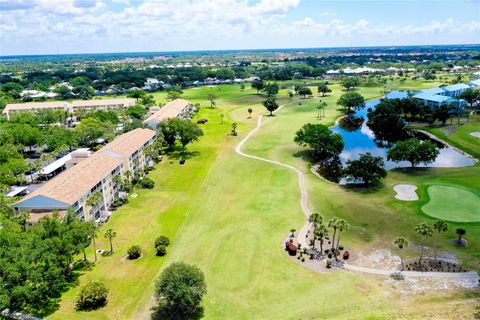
column 455, row 89
column 94, row 174
column 436, row 100
column 176, row 108
column 474, row 83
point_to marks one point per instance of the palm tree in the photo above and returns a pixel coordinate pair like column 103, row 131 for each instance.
column 234, row 128
column 110, row 234
column 316, row 219
column 460, row 232
column 211, row 97
column 401, row 243
column 250, row 110
column 333, row 223
column 440, row 226
column 320, row 233
column 342, row 225
column 93, row 200
column 424, row 230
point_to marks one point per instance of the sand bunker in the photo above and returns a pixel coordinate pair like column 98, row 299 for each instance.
column 405, row 192
column 475, row 134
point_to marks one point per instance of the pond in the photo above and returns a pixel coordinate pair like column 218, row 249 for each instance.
column 362, row 141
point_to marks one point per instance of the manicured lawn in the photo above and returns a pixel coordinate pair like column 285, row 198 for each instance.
column 228, row 215
column 444, row 204
column 460, row 137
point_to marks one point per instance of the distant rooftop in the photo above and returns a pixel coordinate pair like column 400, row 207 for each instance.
column 433, row 97
column 168, row 111
column 455, row 87
column 433, row 91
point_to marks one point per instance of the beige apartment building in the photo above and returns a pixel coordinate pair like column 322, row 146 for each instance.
column 71, row 107
column 90, row 175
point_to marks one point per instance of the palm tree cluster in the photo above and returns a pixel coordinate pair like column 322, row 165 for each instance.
column 425, row 231
column 321, row 231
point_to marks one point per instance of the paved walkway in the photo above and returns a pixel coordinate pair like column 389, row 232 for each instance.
column 302, row 233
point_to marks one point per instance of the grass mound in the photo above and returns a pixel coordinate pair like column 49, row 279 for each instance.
column 453, row 203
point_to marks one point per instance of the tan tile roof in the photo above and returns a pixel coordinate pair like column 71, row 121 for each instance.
column 35, row 105
column 103, row 102
column 72, row 184
column 170, row 110
column 129, row 142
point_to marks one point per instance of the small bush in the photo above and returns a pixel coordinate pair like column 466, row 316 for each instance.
column 162, row 240
column 311, row 256
column 330, row 255
column 92, row 296
column 134, row 252
column 202, row 121
column 326, row 251
column 329, row 264
column 182, row 161
column 146, row 183
column 340, row 247
column 161, row 250
column 303, row 259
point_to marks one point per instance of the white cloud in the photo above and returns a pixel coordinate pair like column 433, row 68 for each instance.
column 79, row 25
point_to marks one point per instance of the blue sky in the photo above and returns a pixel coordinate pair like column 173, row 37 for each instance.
column 84, row 26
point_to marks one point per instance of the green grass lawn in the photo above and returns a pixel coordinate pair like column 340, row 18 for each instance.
column 459, row 135
column 443, row 204
column 228, row 215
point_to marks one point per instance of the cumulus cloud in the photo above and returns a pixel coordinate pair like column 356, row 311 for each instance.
column 200, row 24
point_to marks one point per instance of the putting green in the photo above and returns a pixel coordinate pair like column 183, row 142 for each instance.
column 453, row 203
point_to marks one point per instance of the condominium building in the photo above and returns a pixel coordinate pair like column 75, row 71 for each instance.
column 93, row 174
column 177, row 108
column 71, row 107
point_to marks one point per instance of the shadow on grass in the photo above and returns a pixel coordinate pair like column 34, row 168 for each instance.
column 159, row 313
column 417, row 171
column 362, row 188
column 183, row 155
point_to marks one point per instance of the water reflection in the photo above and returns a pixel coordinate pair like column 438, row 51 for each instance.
column 363, row 140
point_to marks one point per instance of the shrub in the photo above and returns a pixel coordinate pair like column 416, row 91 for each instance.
column 346, row 255
column 146, row 183
column 92, row 296
column 291, row 248
column 134, row 252
column 340, row 247
column 329, row 264
column 161, row 250
column 162, row 240
column 330, row 255
column 182, row 161
column 311, row 256
column 326, row 251
column 202, row 121
column 303, row 259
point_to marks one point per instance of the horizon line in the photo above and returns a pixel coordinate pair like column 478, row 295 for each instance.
column 235, row 50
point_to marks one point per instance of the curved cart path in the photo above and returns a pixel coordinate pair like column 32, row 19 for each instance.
column 302, row 234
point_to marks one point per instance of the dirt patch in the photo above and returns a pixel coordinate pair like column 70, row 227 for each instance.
column 363, row 287
column 405, row 192
column 412, row 285
column 380, row 259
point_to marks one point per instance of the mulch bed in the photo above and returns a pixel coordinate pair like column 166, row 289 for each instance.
column 431, row 265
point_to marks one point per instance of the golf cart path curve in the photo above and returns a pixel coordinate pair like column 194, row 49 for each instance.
column 302, row 234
